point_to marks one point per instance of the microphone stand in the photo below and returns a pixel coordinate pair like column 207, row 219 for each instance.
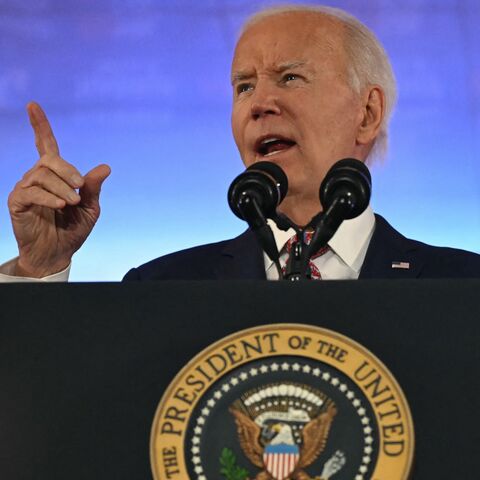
column 252, row 213
column 297, row 267
column 324, row 226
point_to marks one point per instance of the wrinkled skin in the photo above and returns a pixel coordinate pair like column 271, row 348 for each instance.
column 290, row 80
column 50, row 219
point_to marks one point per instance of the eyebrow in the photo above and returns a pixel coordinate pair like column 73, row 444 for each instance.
column 289, row 65
column 241, row 75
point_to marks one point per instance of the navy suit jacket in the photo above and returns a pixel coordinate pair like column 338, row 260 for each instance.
column 242, row 258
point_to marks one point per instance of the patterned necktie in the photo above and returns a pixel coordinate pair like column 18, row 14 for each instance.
column 314, row 271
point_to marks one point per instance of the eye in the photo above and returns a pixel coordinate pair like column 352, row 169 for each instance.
column 243, row 87
column 289, row 77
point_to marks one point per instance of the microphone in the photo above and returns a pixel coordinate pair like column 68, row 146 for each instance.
column 265, row 183
column 344, row 194
column 348, row 183
column 254, row 196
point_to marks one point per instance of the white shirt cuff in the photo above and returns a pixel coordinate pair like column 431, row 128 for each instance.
column 7, row 269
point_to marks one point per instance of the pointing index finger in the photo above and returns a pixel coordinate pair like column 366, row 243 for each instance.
column 44, row 138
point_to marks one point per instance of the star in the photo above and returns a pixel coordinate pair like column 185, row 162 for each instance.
column 317, row 372
column 296, row 367
column 234, row 381
column 243, row 376
column 198, row 469
column 343, row 387
column 263, row 369
column 195, row 450
column 358, row 477
column 365, row 420
column 226, row 387
column 307, row 369
column 202, row 477
column 350, row 395
column 363, row 469
column 369, row 440
column 356, row 402
column 326, row 376
column 253, row 372
column 217, row 394
column 201, row 421
column 285, row 366
column 274, row 367
column 196, row 460
column 205, row 411
column 368, row 450
column 361, row 411
column 335, row 381
column 195, row 440
column 367, row 430
column 198, row 430
column 366, row 459
column 211, row 402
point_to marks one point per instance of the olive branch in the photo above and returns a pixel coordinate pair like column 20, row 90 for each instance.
column 230, row 470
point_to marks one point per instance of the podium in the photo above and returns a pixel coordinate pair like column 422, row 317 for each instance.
column 83, row 366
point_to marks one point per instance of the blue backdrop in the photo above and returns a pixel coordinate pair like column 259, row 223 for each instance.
column 144, row 86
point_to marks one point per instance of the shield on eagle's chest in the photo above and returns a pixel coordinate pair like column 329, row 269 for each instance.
column 280, row 460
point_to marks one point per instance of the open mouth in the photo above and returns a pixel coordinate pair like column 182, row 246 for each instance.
column 268, row 146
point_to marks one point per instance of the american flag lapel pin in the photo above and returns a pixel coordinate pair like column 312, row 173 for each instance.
column 401, row 265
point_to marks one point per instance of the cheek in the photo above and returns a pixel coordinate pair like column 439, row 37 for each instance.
column 238, row 132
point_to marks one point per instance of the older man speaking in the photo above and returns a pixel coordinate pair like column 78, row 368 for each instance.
column 311, row 85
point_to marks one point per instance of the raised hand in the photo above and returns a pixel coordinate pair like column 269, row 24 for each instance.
column 50, row 219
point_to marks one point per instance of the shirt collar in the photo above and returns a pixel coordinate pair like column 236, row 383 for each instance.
column 350, row 241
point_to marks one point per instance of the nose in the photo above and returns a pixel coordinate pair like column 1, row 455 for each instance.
column 264, row 102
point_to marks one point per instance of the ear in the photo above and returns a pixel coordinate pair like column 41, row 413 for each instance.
column 373, row 113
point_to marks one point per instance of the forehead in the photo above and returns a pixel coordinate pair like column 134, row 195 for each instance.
column 308, row 37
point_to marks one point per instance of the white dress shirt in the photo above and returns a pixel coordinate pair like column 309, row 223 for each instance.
column 345, row 257
column 342, row 261
column 8, row 268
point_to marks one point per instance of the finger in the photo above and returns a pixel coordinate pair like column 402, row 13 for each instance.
column 49, row 181
column 90, row 192
column 66, row 171
column 44, row 138
column 33, row 196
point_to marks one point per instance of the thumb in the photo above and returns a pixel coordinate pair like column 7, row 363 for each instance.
column 93, row 180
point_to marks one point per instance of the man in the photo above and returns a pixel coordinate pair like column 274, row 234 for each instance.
column 311, row 86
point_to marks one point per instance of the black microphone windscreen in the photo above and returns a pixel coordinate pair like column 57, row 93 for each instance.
column 275, row 172
column 266, row 182
column 347, row 177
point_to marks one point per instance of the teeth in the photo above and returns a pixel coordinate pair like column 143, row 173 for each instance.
column 269, row 140
column 273, row 153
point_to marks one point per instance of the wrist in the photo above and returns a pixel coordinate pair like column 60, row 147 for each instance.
column 24, row 269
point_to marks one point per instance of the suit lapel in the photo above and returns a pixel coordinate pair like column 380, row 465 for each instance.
column 390, row 254
column 241, row 258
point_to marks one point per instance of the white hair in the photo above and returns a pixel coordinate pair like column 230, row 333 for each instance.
column 368, row 62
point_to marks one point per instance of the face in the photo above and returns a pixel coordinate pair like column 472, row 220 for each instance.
column 292, row 102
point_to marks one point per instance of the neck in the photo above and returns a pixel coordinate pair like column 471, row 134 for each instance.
column 300, row 210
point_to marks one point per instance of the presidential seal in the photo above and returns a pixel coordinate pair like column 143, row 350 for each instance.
column 283, row 402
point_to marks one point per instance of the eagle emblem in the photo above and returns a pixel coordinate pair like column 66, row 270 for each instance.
column 283, row 428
